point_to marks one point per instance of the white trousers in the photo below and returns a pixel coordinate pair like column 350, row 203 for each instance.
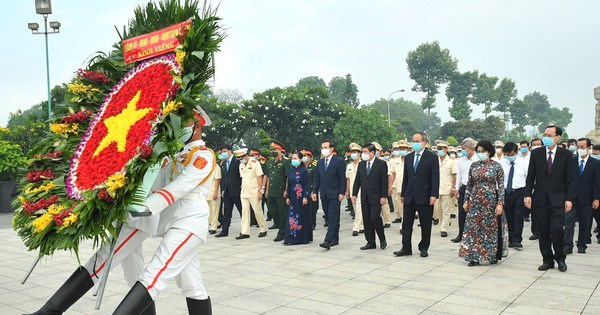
column 444, row 206
column 213, row 213
column 254, row 204
column 358, row 220
column 398, row 205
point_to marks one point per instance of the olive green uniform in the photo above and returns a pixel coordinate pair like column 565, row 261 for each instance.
column 278, row 173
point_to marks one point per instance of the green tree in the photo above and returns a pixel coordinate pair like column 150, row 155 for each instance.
column 452, row 141
column 12, row 160
column 229, row 122
column 344, row 91
column 538, row 106
column 430, row 66
column 519, row 115
column 460, row 91
column 490, row 128
column 485, row 93
column 311, row 81
column 363, row 125
column 407, row 117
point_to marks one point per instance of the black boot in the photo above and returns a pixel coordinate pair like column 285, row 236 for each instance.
column 150, row 310
column 70, row 292
column 199, row 307
column 135, row 302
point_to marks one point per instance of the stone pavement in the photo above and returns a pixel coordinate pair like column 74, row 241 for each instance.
column 257, row 276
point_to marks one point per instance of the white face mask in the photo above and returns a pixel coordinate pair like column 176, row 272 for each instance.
column 353, row 156
column 365, row 156
column 186, row 134
column 582, row 152
column 498, row 150
column 325, row 152
column 305, row 159
column 243, row 161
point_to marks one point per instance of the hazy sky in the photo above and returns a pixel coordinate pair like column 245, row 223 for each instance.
column 548, row 46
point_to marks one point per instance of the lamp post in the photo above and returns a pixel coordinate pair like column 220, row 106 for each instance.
column 389, row 117
column 44, row 8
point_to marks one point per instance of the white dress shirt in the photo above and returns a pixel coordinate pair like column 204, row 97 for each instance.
column 462, row 174
column 579, row 159
column 520, row 173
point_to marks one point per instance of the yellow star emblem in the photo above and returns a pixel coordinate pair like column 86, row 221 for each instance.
column 118, row 126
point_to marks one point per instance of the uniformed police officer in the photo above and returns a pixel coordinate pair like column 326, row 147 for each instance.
column 279, row 168
column 400, row 150
column 351, row 168
column 252, row 191
column 214, row 201
column 385, row 209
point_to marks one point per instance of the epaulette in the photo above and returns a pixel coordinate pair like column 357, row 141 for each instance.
column 314, row 162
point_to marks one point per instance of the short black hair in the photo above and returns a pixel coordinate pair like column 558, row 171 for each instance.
column 563, row 145
column 510, row 147
column 596, row 147
column 370, row 147
column 558, row 130
column 524, row 142
column 535, row 139
column 300, row 155
column 331, row 145
column 226, row 146
column 588, row 142
column 487, row 146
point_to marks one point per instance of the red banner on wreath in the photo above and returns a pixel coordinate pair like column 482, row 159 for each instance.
column 153, row 44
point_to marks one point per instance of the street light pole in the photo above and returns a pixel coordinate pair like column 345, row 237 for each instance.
column 47, row 66
column 388, row 107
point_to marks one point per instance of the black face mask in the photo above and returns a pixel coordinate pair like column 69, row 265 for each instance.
column 274, row 153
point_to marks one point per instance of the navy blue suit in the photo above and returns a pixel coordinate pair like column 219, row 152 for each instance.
column 418, row 186
column 331, row 183
column 586, row 191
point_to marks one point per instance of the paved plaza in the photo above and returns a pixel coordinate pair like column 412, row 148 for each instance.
column 258, row 276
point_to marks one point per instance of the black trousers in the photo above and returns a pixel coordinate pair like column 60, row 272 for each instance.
column 596, row 217
column 583, row 214
column 514, row 206
column 228, row 202
column 550, row 225
column 391, row 203
column 462, row 215
column 371, row 214
column 425, row 217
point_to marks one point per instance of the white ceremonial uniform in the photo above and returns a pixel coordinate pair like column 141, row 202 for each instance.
column 250, row 173
column 180, row 216
column 444, row 205
column 396, row 166
column 386, row 212
column 351, row 169
column 214, row 204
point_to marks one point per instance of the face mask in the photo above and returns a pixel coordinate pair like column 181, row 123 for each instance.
column 498, row 150
column 304, row 159
column 387, row 157
column 403, row 153
column 365, row 156
column 295, row 163
column 353, row 156
column 274, row 153
column 417, row 146
column 482, row 156
column 325, row 152
column 572, row 148
column 376, row 154
column 596, row 156
column 511, row 158
column 582, row 152
column 524, row 150
column 441, row 153
column 186, row 134
column 547, row 141
column 223, row 155
column 243, row 161
column 535, row 147
column 396, row 153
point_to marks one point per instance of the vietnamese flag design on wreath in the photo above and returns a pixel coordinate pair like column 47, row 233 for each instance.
column 123, row 124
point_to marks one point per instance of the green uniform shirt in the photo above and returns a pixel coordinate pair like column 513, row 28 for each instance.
column 278, row 172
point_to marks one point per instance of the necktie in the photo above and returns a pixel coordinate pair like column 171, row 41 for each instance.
column 368, row 168
column 326, row 163
column 581, row 167
column 416, row 162
column 549, row 161
column 511, row 173
column 228, row 161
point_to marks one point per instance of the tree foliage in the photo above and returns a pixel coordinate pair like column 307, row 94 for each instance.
column 363, row 125
column 311, row 81
column 490, row 128
column 344, row 91
column 407, row 117
column 460, row 91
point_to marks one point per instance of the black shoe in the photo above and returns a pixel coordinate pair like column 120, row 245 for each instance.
column 534, row 237
column 219, row 226
column 526, row 219
column 353, row 217
column 242, row 236
column 363, row 231
column 402, row 252
column 70, row 292
column 326, row 245
column 562, row 266
column 444, row 234
column 354, row 233
column 473, row 263
column 278, row 239
column 511, row 245
column 568, row 251
column 368, row 246
column 493, row 261
column 273, row 227
column 326, row 224
column 199, row 306
column 150, row 310
column 383, row 244
column 546, row 266
column 517, row 245
column 424, row 253
column 135, row 302
column 386, row 225
column 262, row 234
column 581, row 250
column 436, row 221
column 456, row 239
column 221, row 234
column 212, row 232
column 333, row 243
column 397, row 220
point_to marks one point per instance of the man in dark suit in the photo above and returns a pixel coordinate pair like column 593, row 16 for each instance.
column 372, row 182
column 549, row 192
column 586, row 198
column 331, row 183
column 231, row 187
column 420, row 189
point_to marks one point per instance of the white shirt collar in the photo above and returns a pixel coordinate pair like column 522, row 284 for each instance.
column 584, row 160
column 553, row 150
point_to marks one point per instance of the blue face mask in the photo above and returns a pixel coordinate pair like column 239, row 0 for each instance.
column 295, row 163
column 463, row 153
column 524, row 150
column 223, row 155
column 376, row 154
column 511, row 158
column 572, row 148
column 483, row 156
column 547, row 141
column 387, row 157
column 441, row 153
column 417, row 146
column 403, row 153
column 596, row 156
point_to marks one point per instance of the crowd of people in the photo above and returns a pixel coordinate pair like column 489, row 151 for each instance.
column 492, row 188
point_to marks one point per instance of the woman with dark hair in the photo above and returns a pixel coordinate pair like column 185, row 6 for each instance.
column 485, row 238
column 299, row 224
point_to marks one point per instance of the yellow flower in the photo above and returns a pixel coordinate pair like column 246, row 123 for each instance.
column 116, row 181
column 55, row 209
column 47, row 187
column 59, row 128
column 71, row 219
column 179, row 55
column 171, row 107
column 80, row 88
column 42, row 222
column 22, row 199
